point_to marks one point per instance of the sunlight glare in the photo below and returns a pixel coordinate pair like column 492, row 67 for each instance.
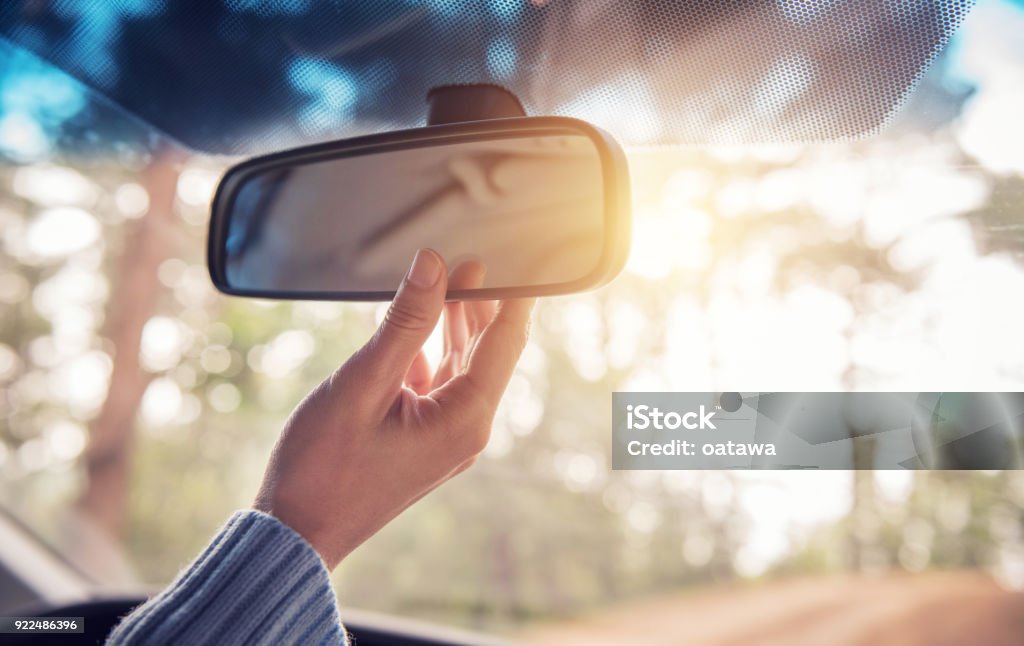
column 61, row 231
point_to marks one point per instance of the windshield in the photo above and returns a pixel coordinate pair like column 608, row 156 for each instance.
column 259, row 75
column 893, row 261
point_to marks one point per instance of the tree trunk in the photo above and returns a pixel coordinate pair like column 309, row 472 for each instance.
column 134, row 299
column 863, row 537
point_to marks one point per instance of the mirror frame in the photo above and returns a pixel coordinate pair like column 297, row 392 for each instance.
column 614, row 171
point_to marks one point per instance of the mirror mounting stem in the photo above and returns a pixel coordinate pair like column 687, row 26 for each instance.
column 475, row 102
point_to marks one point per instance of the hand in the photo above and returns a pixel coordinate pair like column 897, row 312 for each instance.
column 382, row 431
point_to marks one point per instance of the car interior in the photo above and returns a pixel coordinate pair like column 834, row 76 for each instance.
column 205, row 206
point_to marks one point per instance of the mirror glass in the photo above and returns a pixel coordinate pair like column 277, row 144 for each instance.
column 529, row 208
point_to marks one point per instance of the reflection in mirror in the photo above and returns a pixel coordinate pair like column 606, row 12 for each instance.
column 531, row 209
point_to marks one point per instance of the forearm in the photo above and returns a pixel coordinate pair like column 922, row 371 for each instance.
column 257, row 582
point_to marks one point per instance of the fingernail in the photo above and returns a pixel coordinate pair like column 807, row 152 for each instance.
column 425, row 270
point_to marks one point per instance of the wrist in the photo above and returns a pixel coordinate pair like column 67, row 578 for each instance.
column 314, row 533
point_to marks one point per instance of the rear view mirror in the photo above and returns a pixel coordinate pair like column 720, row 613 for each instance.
column 542, row 202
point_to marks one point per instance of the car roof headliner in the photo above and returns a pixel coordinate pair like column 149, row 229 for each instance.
column 248, row 76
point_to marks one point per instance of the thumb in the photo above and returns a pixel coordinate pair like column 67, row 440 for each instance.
column 410, row 320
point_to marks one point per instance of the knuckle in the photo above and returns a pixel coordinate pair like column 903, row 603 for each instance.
column 404, row 316
column 473, row 440
column 474, row 399
column 336, row 389
column 336, row 382
column 469, row 432
column 347, row 385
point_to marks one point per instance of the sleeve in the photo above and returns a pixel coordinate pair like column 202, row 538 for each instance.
column 258, row 582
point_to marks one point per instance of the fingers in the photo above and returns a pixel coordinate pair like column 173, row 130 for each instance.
column 410, row 319
column 457, row 332
column 478, row 315
column 419, row 377
column 496, row 352
column 465, row 275
column 468, row 274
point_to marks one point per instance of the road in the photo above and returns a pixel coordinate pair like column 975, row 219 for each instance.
column 935, row 609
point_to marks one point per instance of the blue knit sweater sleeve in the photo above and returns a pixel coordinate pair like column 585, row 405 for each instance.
column 258, row 582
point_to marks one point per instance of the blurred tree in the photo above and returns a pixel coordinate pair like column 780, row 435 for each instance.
column 136, row 292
